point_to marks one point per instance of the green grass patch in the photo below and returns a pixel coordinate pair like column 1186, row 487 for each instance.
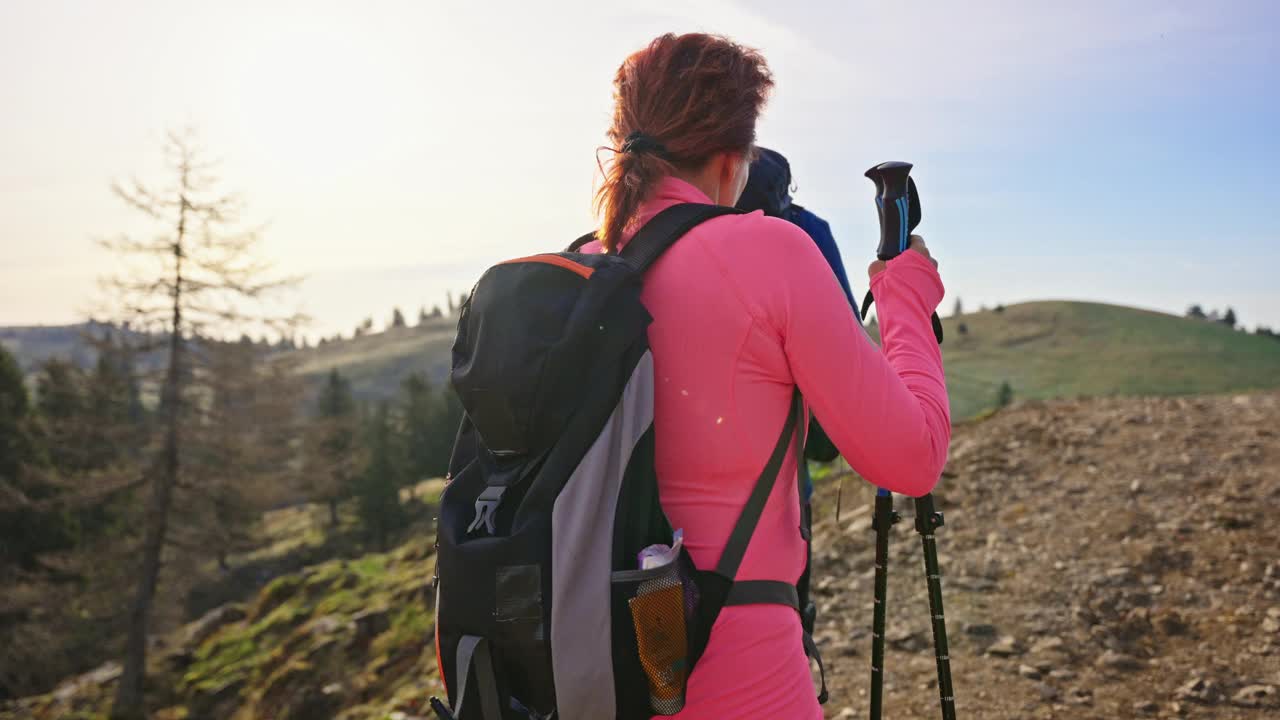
column 410, row 627
column 1065, row 349
column 226, row 658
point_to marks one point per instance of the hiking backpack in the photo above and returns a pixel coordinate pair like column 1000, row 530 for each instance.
column 542, row 610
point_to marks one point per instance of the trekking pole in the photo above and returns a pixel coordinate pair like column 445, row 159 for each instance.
column 927, row 521
column 884, row 517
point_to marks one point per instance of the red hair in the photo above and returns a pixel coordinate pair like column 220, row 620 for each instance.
column 697, row 95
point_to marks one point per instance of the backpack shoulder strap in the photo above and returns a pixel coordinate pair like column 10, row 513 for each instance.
column 740, row 537
column 576, row 245
column 666, row 228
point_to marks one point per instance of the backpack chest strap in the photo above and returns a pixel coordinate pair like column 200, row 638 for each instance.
column 763, row 592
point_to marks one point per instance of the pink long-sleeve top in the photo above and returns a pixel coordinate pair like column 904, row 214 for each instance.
column 745, row 309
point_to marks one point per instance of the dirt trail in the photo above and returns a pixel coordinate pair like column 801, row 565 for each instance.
column 1107, row 558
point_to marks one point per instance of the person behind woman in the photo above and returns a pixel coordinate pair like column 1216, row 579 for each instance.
column 745, row 310
column 769, row 190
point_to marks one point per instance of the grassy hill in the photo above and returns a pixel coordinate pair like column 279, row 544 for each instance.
column 1066, row 349
column 376, row 364
column 1042, row 349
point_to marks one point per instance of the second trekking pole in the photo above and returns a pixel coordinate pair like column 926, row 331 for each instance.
column 883, row 519
column 927, row 520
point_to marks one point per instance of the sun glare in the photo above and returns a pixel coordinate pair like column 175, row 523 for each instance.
column 313, row 100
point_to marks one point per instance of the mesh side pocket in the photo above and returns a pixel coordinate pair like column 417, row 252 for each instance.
column 658, row 616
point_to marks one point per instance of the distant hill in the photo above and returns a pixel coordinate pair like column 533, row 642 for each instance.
column 33, row 344
column 377, row 363
column 1042, row 349
column 1068, row 349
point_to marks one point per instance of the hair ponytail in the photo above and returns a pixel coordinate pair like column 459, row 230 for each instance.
column 627, row 182
column 689, row 97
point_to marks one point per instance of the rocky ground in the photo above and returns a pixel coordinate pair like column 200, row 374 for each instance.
column 1101, row 559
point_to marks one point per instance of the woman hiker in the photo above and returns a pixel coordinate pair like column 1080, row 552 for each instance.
column 745, row 310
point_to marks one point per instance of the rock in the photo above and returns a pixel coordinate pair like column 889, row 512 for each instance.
column 905, row 639
column 1254, row 696
column 1112, row 660
column 1146, row 707
column 1169, row 622
column 1080, row 696
column 860, row 525
column 1029, row 672
column 99, row 676
column 846, row 714
column 983, row 630
column 371, row 623
column 209, row 623
column 1198, row 690
column 972, row 583
column 1062, row 674
column 1048, row 693
column 179, row 660
column 1006, row 646
column 1049, row 645
column 326, row 625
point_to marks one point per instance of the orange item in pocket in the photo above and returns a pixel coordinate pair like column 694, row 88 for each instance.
column 658, row 617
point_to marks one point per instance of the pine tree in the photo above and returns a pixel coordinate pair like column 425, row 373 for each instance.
column 22, row 535
column 431, row 419
column 332, row 454
column 1229, row 318
column 958, row 310
column 378, row 490
column 1004, row 396
column 419, row 426
column 60, row 403
column 397, row 318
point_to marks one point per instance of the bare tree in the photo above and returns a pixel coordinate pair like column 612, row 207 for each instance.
column 240, row 460
column 200, row 277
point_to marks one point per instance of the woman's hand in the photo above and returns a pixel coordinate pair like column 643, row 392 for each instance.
column 917, row 244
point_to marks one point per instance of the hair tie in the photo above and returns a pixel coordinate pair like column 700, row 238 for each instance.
column 638, row 143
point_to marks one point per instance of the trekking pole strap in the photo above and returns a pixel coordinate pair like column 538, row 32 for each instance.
column 934, row 320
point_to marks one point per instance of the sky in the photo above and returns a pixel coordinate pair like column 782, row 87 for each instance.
column 1116, row 152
